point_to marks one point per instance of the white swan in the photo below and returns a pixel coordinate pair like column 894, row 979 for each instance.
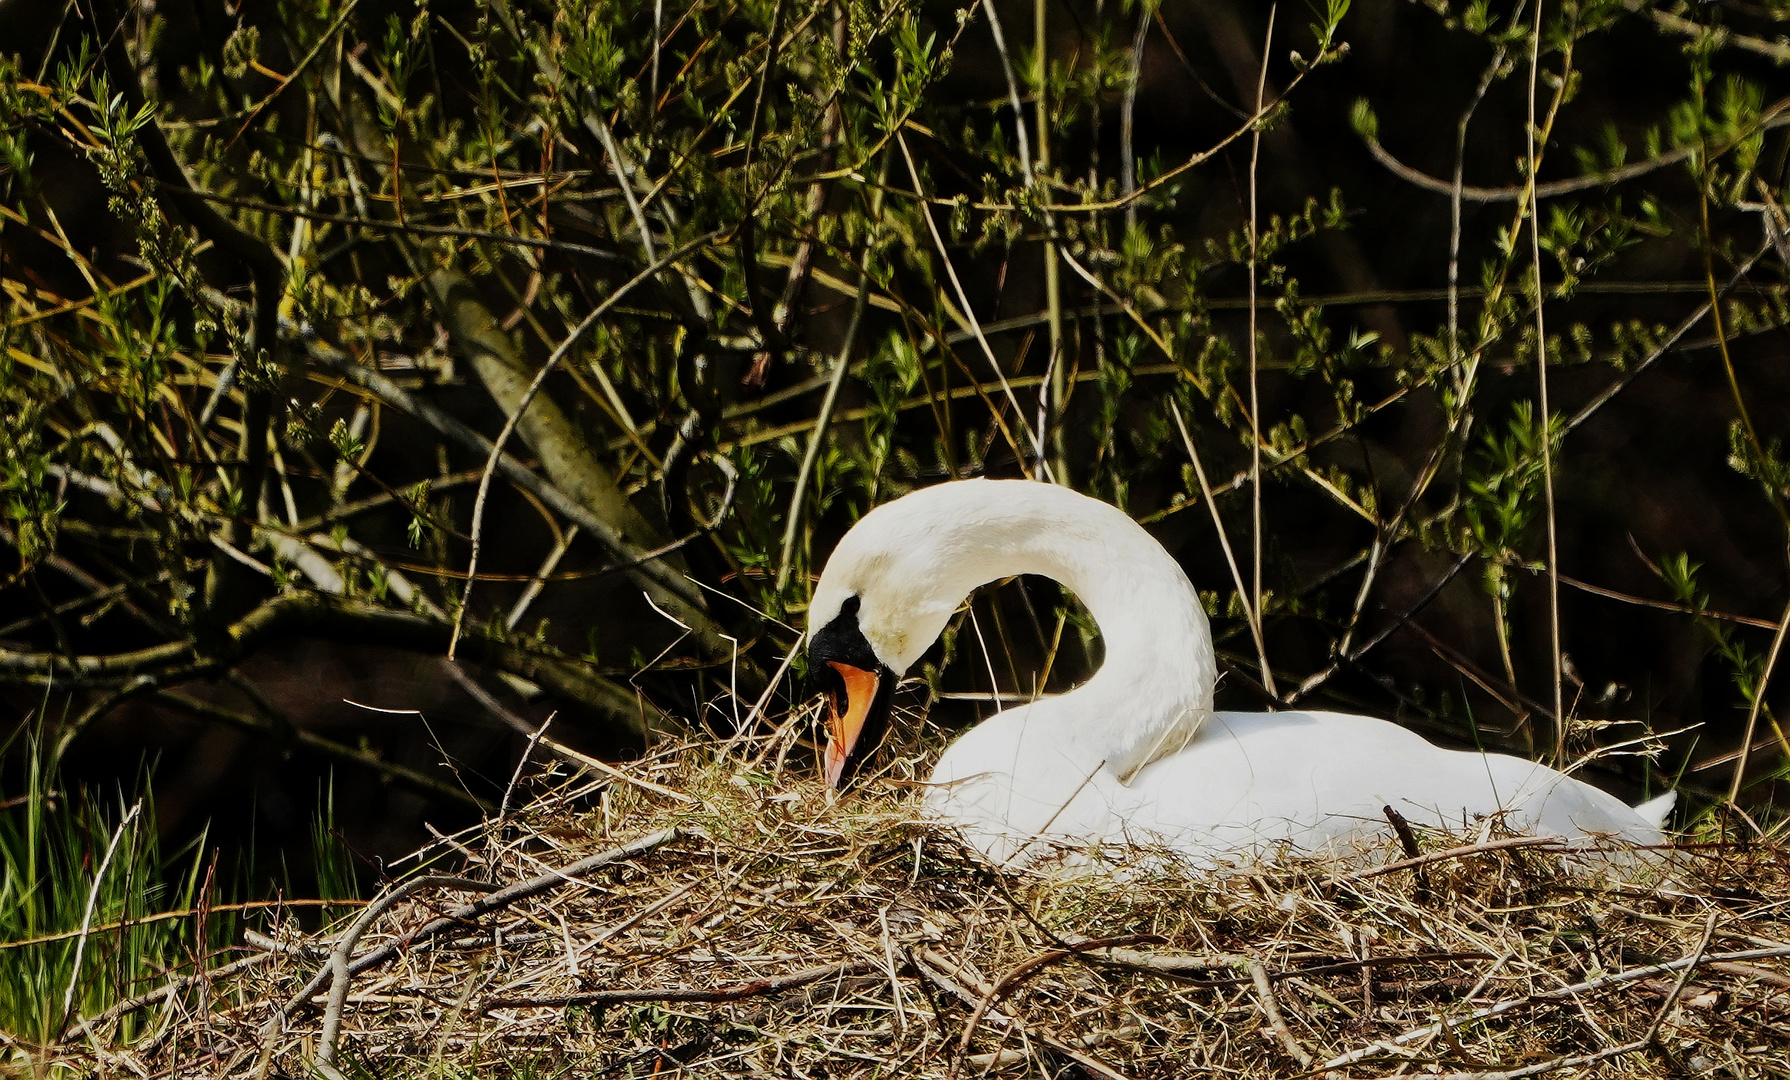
column 1136, row 754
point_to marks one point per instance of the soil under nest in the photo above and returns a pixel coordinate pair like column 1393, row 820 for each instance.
column 698, row 912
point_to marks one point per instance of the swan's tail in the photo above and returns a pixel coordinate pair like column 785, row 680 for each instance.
column 1656, row 811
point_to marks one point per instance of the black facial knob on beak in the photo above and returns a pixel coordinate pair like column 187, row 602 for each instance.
column 857, row 685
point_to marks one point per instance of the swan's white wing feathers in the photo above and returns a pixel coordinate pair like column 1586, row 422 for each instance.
column 1314, row 779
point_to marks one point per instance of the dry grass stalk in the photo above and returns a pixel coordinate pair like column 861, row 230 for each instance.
column 779, row 932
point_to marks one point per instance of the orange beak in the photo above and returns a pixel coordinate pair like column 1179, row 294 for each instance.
column 844, row 726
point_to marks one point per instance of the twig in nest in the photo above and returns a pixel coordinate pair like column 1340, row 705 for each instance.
column 1551, row 842
column 1024, row 970
column 1407, row 839
column 1265, row 997
column 685, row 1053
column 1185, row 965
column 932, row 966
column 1418, row 1034
column 1573, row 1061
column 485, row 904
column 338, row 973
column 170, row 989
column 757, row 988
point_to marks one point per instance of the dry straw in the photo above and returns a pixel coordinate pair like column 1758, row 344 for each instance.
column 757, row 928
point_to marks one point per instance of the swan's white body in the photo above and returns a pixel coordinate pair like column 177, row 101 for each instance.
column 1250, row 783
column 1136, row 755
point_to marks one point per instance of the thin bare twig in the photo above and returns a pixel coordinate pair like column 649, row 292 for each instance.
column 1188, row 965
column 1450, row 853
column 736, row 992
column 1053, row 394
column 963, row 300
column 503, row 808
column 1255, row 401
column 1258, row 975
column 339, row 975
column 1684, row 977
column 1559, row 994
column 1671, row 340
column 1547, row 417
column 1775, row 117
column 1752, row 716
column 1454, row 201
column 1127, row 120
column 99, row 877
column 561, row 545
column 528, row 396
column 1249, row 610
column 1019, row 116
column 172, row 989
column 1024, row 970
column 824, row 419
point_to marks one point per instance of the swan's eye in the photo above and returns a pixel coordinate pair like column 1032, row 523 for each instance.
column 851, row 605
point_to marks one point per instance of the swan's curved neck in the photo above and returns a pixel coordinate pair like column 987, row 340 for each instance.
column 1155, row 685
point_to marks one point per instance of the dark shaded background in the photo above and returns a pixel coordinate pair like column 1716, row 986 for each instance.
column 1646, row 477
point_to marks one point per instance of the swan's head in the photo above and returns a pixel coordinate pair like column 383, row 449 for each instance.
column 887, row 593
column 857, row 684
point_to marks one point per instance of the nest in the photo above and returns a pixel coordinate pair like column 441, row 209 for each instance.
column 697, row 913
